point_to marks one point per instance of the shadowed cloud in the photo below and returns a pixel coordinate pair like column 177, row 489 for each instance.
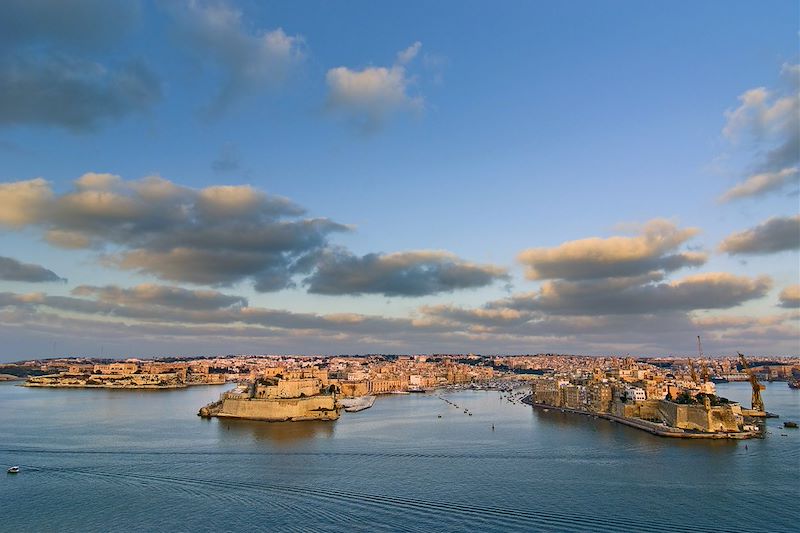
column 42, row 80
column 79, row 24
column 13, row 270
column 160, row 295
column 221, row 235
column 215, row 33
column 72, row 93
column 218, row 235
column 413, row 273
column 777, row 234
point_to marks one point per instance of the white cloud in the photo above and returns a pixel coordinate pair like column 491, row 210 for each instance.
column 371, row 95
column 766, row 124
column 406, row 56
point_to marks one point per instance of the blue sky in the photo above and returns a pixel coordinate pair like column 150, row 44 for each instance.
column 504, row 127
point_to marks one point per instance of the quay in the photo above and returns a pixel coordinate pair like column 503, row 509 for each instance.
column 650, row 427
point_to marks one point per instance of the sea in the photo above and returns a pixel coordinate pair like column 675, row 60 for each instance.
column 103, row 460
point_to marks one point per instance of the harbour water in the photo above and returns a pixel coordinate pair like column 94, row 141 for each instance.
column 95, row 460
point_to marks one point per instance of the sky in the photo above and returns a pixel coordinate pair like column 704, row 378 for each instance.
column 215, row 177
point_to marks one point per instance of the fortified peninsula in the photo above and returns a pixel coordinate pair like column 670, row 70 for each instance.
column 298, row 396
column 645, row 397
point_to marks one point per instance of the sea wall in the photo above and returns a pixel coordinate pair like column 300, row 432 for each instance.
column 320, row 407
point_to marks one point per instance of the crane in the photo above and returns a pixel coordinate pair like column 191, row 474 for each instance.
column 757, row 402
column 704, row 374
column 691, row 369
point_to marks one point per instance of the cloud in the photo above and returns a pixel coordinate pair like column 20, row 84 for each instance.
column 610, row 292
column 625, row 296
column 221, row 235
column 760, row 184
column 43, row 83
column 790, row 297
column 619, row 315
column 13, row 270
column 151, row 304
column 79, row 24
column 218, row 235
column 161, row 295
column 414, row 273
column 71, row 93
column 481, row 316
column 405, row 57
column 215, row 33
column 24, row 202
column 368, row 97
column 777, row 234
column 766, row 124
column 163, row 319
column 593, row 258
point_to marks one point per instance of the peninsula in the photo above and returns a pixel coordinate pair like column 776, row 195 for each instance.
column 130, row 375
column 298, row 396
column 646, row 397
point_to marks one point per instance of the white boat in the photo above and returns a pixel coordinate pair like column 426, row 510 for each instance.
column 353, row 405
column 13, row 470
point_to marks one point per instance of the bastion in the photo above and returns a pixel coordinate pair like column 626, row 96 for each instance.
column 276, row 400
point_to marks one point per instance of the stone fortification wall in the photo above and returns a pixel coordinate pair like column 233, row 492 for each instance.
column 696, row 417
column 313, row 408
column 289, row 388
column 646, row 410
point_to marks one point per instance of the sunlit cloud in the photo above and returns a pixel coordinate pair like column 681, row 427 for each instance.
column 766, row 125
column 369, row 96
column 217, row 235
column 790, row 297
column 592, row 258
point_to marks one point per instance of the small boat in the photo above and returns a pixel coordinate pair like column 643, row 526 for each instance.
column 13, row 470
column 790, row 424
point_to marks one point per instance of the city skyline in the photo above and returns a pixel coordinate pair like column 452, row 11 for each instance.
column 217, row 177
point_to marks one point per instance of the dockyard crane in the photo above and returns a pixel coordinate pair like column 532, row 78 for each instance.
column 757, row 402
column 691, row 369
column 704, row 374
